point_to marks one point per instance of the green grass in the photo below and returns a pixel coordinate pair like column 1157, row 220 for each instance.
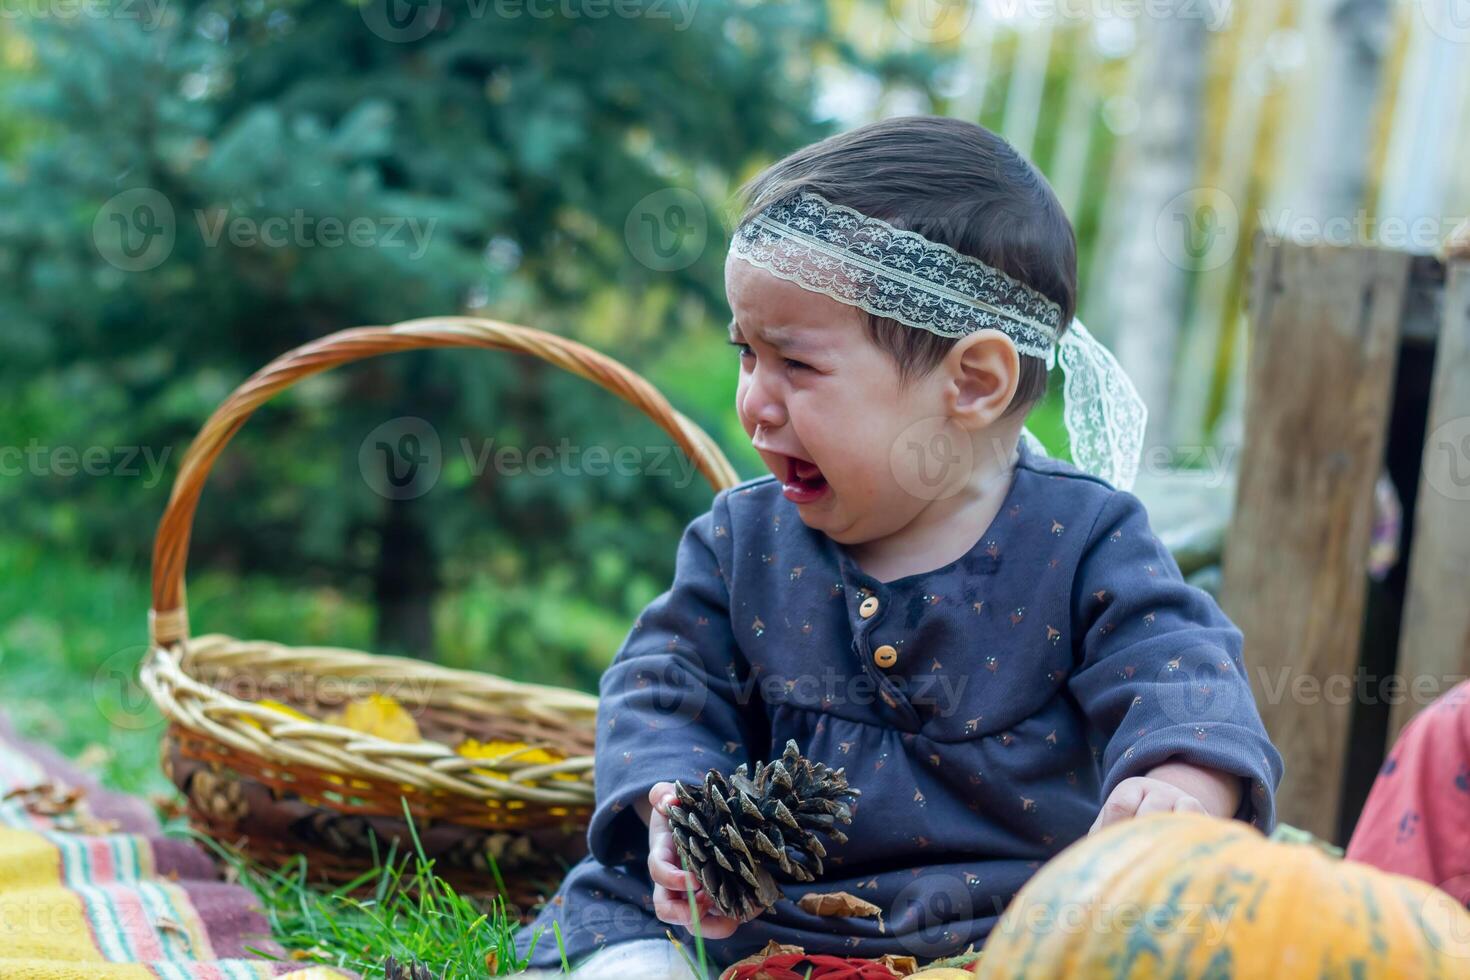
column 71, row 637
column 401, row 910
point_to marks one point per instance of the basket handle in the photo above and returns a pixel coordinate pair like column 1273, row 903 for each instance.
column 168, row 620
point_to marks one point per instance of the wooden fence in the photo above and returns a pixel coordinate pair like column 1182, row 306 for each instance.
column 1360, row 358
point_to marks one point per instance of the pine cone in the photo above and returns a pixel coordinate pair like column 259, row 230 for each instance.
column 339, row 833
column 736, row 833
column 511, row 851
column 412, row 970
column 218, row 795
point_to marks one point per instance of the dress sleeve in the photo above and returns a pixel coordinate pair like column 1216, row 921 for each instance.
column 674, row 702
column 1417, row 818
column 1159, row 672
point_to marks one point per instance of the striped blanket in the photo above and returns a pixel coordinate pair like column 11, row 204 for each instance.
column 89, row 887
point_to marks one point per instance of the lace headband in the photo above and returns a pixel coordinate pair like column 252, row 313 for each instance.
column 868, row 263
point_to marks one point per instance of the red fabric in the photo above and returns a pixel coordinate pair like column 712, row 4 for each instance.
column 785, row 967
column 1417, row 818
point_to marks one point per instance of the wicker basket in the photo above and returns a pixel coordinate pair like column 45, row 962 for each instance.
column 278, row 786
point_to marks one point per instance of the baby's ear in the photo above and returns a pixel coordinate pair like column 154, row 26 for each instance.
column 982, row 372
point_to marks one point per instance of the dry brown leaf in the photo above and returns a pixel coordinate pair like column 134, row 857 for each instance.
column 47, row 799
column 902, row 965
column 840, row 903
column 169, row 924
column 837, row 903
column 168, row 807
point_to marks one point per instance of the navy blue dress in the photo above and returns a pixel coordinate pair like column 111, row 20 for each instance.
column 985, row 708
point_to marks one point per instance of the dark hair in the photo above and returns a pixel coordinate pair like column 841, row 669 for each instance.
column 953, row 182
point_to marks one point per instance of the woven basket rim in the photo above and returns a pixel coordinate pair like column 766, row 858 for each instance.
column 287, row 741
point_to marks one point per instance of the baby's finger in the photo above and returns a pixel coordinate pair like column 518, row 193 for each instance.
column 1158, row 801
column 663, row 866
column 671, row 907
column 1121, row 804
column 1189, row 804
column 663, row 872
column 676, row 905
column 660, row 795
column 717, row 926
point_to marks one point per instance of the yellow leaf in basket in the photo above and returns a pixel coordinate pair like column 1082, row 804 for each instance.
column 377, row 715
column 284, row 709
column 278, row 708
column 518, row 751
column 474, row 749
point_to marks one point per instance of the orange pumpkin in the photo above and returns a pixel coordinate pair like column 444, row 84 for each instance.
column 1189, row 897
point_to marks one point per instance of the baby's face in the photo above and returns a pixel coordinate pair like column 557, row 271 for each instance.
column 823, row 405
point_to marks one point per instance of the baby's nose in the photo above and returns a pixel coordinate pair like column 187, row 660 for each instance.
column 763, row 410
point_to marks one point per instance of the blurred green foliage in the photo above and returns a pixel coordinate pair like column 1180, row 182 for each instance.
column 519, row 147
column 499, row 162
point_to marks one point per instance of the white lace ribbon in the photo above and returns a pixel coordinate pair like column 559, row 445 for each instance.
column 890, row 272
column 1104, row 414
column 866, row 262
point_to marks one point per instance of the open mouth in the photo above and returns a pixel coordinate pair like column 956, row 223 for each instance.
column 803, row 481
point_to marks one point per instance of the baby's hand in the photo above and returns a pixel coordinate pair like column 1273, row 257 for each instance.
column 1138, row 795
column 672, row 884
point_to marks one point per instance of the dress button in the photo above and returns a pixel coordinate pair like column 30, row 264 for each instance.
column 885, row 656
column 868, row 607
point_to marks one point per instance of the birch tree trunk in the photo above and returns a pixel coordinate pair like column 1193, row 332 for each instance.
column 1323, row 165
column 1147, row 288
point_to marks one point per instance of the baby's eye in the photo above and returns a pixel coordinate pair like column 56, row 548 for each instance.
column 742, row 348
column 797, row 365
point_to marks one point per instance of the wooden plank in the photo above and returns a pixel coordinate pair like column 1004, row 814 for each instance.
column 1434, row 647
column 1424, row 309
column 1325, row 333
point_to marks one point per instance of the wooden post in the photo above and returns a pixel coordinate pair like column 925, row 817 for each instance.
column 1434, row 647
column 1325, row 327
